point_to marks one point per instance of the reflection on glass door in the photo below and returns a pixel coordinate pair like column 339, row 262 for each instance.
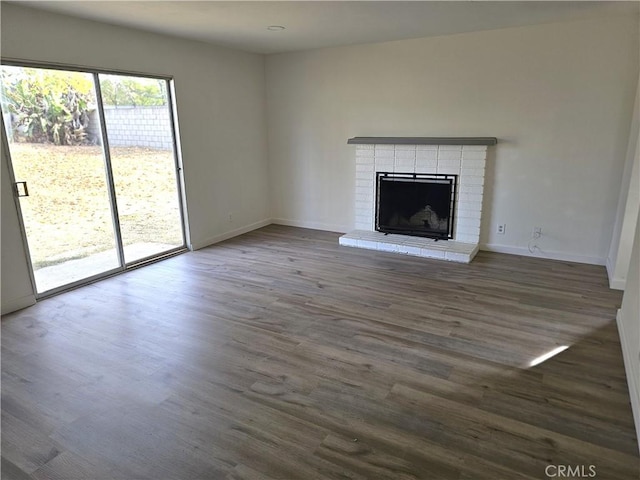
column 58, row 161
column 141, row 147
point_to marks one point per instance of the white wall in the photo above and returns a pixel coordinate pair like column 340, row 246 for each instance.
column 221, row 110
column 629, row 327
column 628, row 206
column 559, row 97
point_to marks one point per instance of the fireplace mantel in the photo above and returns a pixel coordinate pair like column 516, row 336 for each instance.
column 422, row 141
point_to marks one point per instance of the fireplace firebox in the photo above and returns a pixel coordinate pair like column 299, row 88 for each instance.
column 416, row 204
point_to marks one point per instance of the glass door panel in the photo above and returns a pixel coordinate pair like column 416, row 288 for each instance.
column 141, row 146
column 53, row 133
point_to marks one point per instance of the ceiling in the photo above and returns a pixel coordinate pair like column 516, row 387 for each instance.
column 315, row 24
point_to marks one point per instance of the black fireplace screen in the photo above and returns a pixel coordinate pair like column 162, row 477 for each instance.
column 416, row 204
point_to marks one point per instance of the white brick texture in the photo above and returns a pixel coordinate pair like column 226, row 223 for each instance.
column 468, row 162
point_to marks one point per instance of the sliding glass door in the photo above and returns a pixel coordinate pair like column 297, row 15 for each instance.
column 139, row 128
column 60, row 169
column 93, row 159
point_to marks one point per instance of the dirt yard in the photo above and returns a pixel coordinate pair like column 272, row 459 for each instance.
column 67, row 215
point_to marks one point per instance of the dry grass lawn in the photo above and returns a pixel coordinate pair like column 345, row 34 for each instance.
column 67, row 214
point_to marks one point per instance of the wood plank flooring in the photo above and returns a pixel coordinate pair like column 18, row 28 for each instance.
column 281, row 355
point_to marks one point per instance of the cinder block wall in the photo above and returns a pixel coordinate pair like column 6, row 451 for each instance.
column 148, row 127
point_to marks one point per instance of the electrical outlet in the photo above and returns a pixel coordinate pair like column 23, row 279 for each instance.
column 230, row 217
column 501, row 228
column 537, row 232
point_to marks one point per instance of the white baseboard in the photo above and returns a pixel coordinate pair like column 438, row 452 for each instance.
column 233, row 233
column 9, row 306
column 633, row 378
column 615, row 283
column 312, row 225
column 566, row 257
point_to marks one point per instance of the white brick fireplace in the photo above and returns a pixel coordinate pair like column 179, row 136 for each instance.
column 465, row 157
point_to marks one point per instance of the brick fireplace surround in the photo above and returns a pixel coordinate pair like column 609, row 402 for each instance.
column 465, row 157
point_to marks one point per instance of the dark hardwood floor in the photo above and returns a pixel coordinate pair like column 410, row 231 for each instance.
column 281, row 355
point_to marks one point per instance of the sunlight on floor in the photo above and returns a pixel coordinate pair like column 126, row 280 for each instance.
column 548, row 355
